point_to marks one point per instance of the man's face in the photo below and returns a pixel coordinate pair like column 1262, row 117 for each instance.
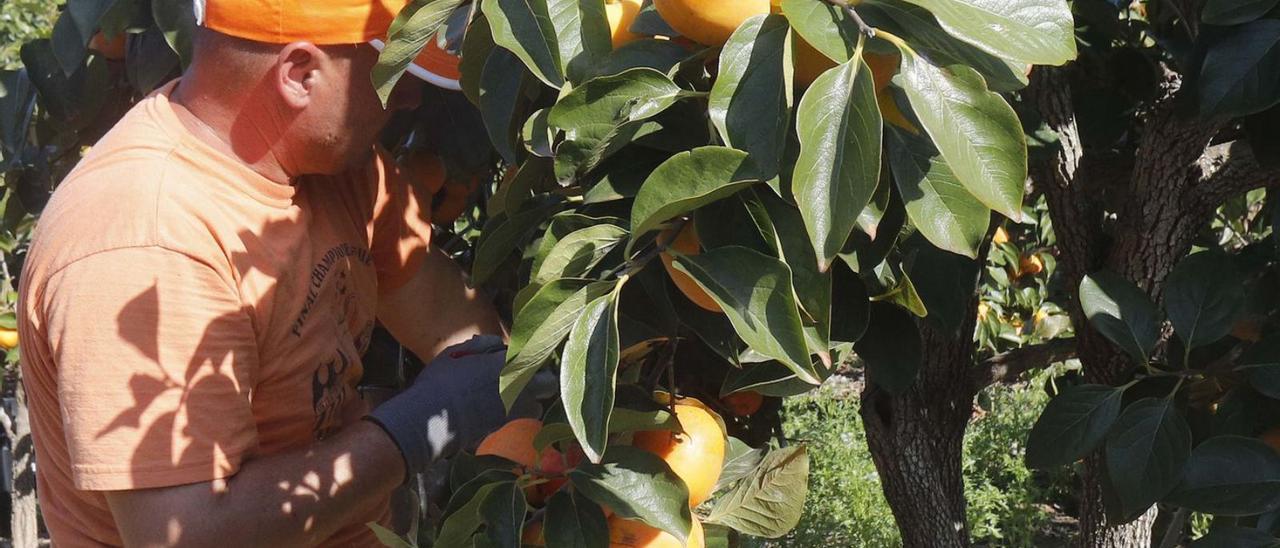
column 346, row 115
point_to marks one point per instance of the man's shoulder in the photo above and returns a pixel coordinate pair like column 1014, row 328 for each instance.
column 124, row 197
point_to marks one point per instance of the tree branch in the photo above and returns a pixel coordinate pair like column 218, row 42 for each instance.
column 1008, row 366
column 1230, row 169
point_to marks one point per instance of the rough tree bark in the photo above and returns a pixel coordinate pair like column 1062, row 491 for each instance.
column 1166, row 194
column 916, row 441
column 23, row 520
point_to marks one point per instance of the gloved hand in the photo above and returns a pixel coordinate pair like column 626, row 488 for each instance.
column 454, row 402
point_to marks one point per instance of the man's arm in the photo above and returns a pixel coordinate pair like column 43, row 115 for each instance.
column 435, row 308
column 291, row 499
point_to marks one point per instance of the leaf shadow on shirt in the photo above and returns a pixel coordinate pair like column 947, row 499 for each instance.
column 184, row 413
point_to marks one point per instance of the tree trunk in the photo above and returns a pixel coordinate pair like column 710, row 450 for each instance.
column 23, row 521
column 916, row 441
column 1167, row 194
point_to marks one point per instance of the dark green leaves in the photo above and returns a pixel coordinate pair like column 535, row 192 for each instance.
column 503, row 513
column 1145, row 453
column 1121, row 312
column 1230, row 476
column 1241, row 73
column 1234, row 12
column 1203, row 298
column 687, row 181
column 525, row 29
column 637, row 485
column 539, row 328
column 839, row 127
column 974, row 129
column 1072, row 425
column 938, row 205
column 1261, row 362
column 750, row 102
column 770, row 501
column 1236, row 537
column 605, row 113
column 573, row 521
column 417, row 22
column 1038, row 32
column 588, row 373
column 890, row 347
column 579, row 252
column 755, row 292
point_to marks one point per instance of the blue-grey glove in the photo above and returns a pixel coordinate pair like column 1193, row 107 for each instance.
column 454, row 402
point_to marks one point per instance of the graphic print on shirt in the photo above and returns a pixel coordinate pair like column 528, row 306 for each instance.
column 333, row 380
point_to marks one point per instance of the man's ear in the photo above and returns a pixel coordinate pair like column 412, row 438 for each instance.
column 297, row 68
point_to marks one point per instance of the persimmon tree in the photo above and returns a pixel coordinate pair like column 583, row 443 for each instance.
column 812, row 181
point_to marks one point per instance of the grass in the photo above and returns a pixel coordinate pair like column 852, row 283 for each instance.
column 846, row 507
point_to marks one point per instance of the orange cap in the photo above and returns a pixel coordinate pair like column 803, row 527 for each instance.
column 323, row 22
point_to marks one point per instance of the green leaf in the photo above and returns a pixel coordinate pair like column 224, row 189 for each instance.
column 659, row 55
column 1230, row 476
column 1261, row 362
column 944, row 282
column 769, row 378
column 1241, row 72
column 540, row 327
column 588, row 373
column 824, row 26
column 750, row 102
column 813, row 287
column 1121, row 312
column 1202, row 297
column 623, row 174
column 1072, row 425
column 407, row 36
column 630, row 96
column 75, row 28
column 502, row 90
column 686, row 182
column 604, row 114
column 573, row 521
column 974, row 129
column 177, row 20
column 850, row 312
column 1039, row 32
column 637, row 485
column 1146, row 450
column 477, row 45
column 562, row 225
column 740, row 460
column 1236, row 537
column 754, row 290
column 579, row 252
column 920, row 29
column 937, row 204
column 840, row 130
column 621, row 420
column 1234, row 12
column 503, row 233
column 582, row 35
column 525, row 29
column 465, row 516
column 770, row 503
column 503, row 514
column 387, row 537
column 890, row 347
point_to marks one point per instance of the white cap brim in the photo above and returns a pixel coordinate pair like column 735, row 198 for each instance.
column 422, row 73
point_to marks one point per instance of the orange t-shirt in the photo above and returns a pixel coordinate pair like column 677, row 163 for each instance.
column 181, row 313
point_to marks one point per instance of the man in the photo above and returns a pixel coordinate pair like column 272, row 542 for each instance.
column 203, row 284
